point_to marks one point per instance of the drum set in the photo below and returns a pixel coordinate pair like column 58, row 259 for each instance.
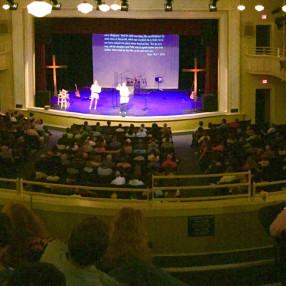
column 136, row 84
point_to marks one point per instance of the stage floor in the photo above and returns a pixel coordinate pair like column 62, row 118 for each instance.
column 145, row 103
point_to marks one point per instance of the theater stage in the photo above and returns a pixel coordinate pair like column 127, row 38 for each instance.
column 145, row 103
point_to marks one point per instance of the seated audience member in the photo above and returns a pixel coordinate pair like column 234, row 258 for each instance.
column 136, row 182
column 141, row 133
column 127, row 146
column 103, row 170
column 201, row 125
column 119, row 129
column 128, row 256
column 115, row 144
column 155, row 131
column 223, row 126
column 165, row 131
column 37, row 274
column 234, row 124
column 78, row 260
column 30, row 237
column 119, row 180
column 5, row 242
column 169, row 162
column 143, row 127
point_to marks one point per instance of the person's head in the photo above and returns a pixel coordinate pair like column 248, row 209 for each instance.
column 201, row 123
column 37, row 274
column 88, row 242
column 95, row 82
column 128, row 237
column 85, row 123
column 223, row 120
column 124, row 83
column 26, row 225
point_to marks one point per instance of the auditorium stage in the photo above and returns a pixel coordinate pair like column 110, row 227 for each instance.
column 145, row 103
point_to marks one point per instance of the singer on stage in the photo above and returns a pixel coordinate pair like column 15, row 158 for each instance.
column 95, row 90
column 124, row 97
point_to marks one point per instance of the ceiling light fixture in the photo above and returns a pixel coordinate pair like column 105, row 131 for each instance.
column 102, row 6
column 84, row 7
column 11, row 5
column 259, row 8
column 115, row 6
column 39, row 8
column 284, row 8
column 241, row 7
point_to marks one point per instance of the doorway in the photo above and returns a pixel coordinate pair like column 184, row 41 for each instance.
column 262, row 108
column 263, row 36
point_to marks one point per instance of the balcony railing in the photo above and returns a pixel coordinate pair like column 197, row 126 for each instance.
column 268, row 61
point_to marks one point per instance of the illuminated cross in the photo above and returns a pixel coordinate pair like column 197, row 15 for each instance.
column 195, row 71
column 55, row 67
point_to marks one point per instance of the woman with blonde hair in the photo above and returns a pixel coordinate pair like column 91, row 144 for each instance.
column 29, row 236
column 128, row 256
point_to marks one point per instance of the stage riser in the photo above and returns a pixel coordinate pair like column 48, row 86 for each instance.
column 180, row 123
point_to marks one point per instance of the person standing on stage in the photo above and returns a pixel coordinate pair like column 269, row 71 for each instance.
column 124, row 97
column 95, row 90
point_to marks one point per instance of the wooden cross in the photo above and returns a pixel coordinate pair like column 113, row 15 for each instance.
column 195, row 71
column 55, row 67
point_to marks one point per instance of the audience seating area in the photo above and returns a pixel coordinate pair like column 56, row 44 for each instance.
column 240, row 146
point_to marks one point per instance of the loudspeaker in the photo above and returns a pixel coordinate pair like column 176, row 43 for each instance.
column 43, row 98
column 209, row 102
column 249, row 29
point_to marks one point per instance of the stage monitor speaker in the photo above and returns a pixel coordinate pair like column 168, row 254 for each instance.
column 43, row 98
column 209, row 102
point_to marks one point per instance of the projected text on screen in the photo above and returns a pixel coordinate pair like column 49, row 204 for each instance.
column 121, row 57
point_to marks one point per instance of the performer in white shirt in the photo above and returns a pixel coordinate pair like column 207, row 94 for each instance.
column 95, row 90
column 124, row 97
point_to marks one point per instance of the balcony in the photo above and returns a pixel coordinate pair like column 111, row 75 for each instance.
column 267, row 61
column 3, row 57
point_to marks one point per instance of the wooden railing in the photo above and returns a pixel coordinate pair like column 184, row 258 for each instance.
column 188, row 192
column 266, row 60
column 141, row 195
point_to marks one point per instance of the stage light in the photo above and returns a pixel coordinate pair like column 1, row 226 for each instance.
column 115, row 6
column 56, row 5
column 280, row 21
column 84, row 7
column 11, row 5
column 124, row 5
column 241, row 7
column 212, row 6
column 168, row 6
column 39, row 8
column 277, row 10
column 259, row 8
column 102, row 6
column 264, row 17
column 284, row 8
column 265, row 81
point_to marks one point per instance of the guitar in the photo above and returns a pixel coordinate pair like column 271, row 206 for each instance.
column 77, row 95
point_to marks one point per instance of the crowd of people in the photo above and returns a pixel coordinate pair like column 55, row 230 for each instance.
column 95, row 254
column 19, row 137
column 240, row 146
column 120, row 156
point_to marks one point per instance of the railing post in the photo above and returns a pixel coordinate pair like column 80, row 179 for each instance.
column 254, row 190
column 19, row 186
column 250, row 195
